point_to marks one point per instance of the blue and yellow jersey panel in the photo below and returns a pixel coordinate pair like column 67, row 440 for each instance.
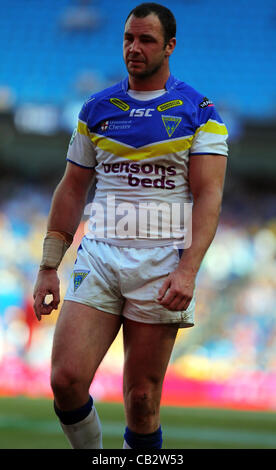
column 140, row 150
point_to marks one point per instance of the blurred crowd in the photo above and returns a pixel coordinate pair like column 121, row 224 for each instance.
column 235, row 330
column 236, row 306
column 234, row 338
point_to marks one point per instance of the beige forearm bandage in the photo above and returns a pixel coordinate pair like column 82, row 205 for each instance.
column 55, row 246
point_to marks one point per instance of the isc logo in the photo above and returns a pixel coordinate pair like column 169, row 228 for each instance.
column 141, row 112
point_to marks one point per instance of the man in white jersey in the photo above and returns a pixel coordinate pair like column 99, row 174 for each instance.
column 150, row 138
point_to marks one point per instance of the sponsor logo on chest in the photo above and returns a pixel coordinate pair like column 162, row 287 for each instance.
column 141, row 112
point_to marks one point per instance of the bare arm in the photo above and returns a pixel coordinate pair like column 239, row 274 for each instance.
column 69, row 199
column 65, row 214
column 206, row 176
column 206, row 183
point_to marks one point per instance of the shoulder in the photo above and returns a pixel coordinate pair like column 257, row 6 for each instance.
column 196, row 98
column 106, row 93
column 203, row 106
column 92, row 102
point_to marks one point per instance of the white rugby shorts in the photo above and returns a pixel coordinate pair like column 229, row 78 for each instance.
column 125, row 281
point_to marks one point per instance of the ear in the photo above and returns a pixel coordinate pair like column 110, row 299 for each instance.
column 170, row 47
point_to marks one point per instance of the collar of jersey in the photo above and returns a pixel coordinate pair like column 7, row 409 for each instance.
column 170, row 85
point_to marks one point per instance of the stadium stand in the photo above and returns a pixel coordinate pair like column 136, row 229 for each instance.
column 224, row 49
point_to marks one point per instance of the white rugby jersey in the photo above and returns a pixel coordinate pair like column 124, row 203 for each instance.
column 140, row 152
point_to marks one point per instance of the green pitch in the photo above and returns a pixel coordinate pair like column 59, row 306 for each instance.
column 31, row 424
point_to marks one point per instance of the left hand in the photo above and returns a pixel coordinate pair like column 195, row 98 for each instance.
column 177, row 290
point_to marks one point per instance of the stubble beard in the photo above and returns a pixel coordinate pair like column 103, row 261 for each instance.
column 146, row 73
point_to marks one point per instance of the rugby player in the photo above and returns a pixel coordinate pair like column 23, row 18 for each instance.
column 149, row 139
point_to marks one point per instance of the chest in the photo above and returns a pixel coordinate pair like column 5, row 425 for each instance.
column 142, row 124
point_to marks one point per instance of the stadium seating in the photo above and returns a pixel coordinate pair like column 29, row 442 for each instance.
column 224, row 49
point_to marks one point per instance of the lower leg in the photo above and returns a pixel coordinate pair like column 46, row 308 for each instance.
column 142, row 408
column 143, row 421
column 133, row 440
column 82, row 337
column 76, row 412
column 147, row 350
column 81, row 426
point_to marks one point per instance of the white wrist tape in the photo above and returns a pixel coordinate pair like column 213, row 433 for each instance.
column 53, row 252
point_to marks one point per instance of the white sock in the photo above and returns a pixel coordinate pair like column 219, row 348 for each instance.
column 86, row 434
column 126, row 446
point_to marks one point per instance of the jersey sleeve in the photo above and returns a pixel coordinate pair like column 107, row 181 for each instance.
column 81, row 150
column 211, row 134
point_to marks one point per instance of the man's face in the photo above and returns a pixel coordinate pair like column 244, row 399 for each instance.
column 144, row 49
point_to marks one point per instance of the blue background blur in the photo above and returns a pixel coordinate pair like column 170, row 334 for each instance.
column 53, row 55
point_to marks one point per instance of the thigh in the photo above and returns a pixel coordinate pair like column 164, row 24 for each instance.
column 94, row 281
column 144, row 273
column 82, row 337
column 147, row 349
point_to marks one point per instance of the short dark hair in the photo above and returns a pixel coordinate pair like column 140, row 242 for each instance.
column 165, row 16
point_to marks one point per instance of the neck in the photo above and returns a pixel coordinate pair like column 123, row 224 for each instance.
column 155, row 82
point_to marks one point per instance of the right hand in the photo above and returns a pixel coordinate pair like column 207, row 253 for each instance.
column 47, row 283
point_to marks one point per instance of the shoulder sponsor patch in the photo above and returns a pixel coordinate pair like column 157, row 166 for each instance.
column 120, row 104
column 169, row 105
column 79, row 276
column 171, row 123
column 205, row 103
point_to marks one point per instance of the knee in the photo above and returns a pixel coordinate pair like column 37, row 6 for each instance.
column 143, row 401
column 63, row 380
